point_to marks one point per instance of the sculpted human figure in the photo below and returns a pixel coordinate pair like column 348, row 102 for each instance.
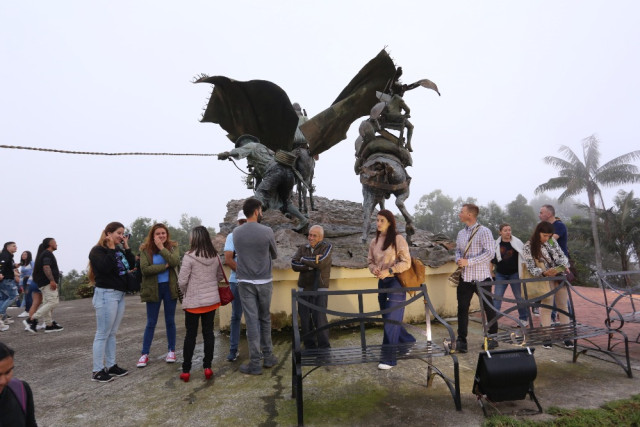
column 396, row 114
column 274, row 179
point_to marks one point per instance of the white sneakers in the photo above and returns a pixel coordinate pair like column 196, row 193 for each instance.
column 3, row 327
column 171, row 357
column 142, row 362
column 24, row 314
column 384, row 366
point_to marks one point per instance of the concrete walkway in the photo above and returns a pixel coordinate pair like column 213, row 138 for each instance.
column 58, row 367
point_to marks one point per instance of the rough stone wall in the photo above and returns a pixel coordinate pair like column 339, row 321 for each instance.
column 342, row 223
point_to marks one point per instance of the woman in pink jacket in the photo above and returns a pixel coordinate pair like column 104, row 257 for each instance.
column 198, row 280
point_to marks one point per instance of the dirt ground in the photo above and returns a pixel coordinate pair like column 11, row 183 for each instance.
column 58, row 368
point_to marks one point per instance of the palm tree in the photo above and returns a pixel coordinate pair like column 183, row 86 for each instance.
column 576, row 176
column 624, row 225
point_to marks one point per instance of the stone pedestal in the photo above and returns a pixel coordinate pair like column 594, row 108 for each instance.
column 342, row 223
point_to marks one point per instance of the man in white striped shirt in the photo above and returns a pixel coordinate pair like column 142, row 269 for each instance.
column 475, row 267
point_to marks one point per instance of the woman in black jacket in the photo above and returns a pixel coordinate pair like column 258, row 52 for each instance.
column 109, row 262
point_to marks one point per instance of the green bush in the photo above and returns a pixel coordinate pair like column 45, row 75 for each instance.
column 85, row 291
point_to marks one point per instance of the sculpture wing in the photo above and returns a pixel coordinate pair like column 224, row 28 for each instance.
column 330, row 126
column 424, row 83
column 257, row 107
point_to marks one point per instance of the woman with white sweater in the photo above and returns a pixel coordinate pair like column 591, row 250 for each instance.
column 198, row 280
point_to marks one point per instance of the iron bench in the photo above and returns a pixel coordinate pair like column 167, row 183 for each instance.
column 531, row 335
column 365, row 352
column 626, row 304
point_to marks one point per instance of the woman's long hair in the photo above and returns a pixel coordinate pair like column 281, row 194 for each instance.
column 535, row 242
column 102, row 241
column 25, row 262
column 149, row 245
column 201, row 244
column 390, row 238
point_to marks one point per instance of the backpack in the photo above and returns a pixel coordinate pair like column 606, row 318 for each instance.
column 17, row 387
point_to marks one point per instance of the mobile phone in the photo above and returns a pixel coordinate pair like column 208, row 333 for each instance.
column 128, row 235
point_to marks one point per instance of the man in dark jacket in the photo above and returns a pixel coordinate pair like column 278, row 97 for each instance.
column 313, row 261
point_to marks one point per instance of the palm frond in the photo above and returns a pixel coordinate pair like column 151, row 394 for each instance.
column 553, row 184
column 617, row 175
column 569, row 154
column 572, row 188
column 625, row 158
column 558, row 163
column 591, row 152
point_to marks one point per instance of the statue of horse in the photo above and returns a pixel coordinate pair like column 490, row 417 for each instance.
column 381, row 175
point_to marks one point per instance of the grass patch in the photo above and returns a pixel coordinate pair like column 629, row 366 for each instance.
column 624, row 412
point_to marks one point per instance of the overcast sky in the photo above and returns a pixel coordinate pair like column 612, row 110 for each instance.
column 518, row 79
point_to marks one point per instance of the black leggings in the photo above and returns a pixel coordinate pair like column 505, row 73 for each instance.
column 191, row 323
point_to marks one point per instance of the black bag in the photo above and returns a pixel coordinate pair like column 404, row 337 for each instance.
column 133, row 279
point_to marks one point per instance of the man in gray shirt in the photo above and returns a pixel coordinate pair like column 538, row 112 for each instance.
column 255, row 246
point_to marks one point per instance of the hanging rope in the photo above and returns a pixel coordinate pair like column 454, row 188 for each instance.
column 95, row 153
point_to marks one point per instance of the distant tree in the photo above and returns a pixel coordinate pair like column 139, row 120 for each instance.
column 492, row 216
column 623, row 226
column 71, row 282
column 582, row 251
column 139, row 230
column 522, row 218
column 564, row 210
column 576, row 176
column 188, row 223
column 436, row 212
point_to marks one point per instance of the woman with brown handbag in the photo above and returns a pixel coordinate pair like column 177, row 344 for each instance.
column 388, row 255
column 544, row 258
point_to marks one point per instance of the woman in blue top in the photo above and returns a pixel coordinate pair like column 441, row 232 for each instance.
column 26, row 269
column 159, row 260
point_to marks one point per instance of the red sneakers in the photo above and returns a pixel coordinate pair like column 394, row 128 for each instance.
column 185, row 376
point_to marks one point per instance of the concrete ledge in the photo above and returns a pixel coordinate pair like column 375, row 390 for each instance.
column 443, row 296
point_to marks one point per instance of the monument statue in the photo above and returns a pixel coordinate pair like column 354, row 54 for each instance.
column 381, row 156
column 262, row 122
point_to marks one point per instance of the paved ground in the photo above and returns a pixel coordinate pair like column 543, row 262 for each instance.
column 58, row 367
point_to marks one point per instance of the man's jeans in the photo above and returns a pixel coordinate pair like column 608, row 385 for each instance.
column 109, row 305
column 236, row 317
column 153, row 309
column 8, row 294
column 499, row 291
column 256, row 304
column 49, row 302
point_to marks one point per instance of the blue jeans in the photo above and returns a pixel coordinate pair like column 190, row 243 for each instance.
column 8, row 294
column 393, row 334
column 236, row 316
column 499, row 291
column 109, row 305
column 153, row 309
column 256, row 304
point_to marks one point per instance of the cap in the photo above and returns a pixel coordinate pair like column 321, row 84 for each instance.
column 241, row 216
